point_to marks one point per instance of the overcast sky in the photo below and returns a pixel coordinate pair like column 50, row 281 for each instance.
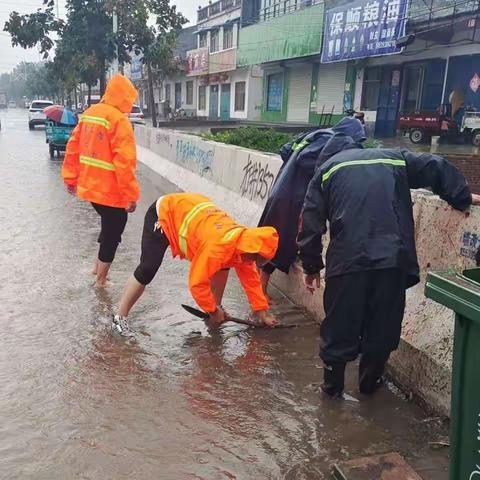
column 9, row 56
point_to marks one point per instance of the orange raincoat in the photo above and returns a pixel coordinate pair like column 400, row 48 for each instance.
column 101, row 154
column 204, row 234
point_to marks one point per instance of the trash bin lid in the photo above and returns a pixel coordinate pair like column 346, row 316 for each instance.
column 458, row 291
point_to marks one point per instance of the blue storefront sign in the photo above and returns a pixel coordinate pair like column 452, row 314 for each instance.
column 364, row 28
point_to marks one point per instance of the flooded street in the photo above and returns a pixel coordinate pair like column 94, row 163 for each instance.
column 182, row 402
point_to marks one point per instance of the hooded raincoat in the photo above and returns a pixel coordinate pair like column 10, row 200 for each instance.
column 101, row 157
column 285, row 201
column 201, row 232
column 364, row 194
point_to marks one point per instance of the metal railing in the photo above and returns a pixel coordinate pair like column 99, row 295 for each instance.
column 217, row 7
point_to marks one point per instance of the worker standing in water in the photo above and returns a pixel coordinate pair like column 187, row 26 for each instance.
column 364, row 195
column 99, row 167
column 197, row 230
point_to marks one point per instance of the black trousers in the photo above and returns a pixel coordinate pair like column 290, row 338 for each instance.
column 364, row 313
column 113, row 221
column 154, row 246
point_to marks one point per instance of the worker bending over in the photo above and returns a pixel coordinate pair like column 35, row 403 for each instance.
column 198, row 230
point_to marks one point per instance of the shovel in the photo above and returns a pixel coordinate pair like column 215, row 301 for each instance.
column 250, row 323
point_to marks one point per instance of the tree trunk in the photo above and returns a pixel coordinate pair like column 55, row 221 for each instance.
column 89, row 101
column 76, row 97
column 151, row 95
column 103, row 78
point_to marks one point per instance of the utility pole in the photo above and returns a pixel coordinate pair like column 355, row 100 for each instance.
column 115, row 31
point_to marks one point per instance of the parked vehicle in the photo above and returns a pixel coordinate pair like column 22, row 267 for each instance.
column 422, row 126
column 35, row 113
column 3, row 100
column 12, row 104
column 136, row 116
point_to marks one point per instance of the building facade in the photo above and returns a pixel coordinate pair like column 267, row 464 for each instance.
column 284, row 38
column 223, row 91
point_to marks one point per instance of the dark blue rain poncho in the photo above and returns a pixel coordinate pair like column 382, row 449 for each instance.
column 285, row 202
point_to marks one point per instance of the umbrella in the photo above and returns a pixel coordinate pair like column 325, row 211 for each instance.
column 60, row 114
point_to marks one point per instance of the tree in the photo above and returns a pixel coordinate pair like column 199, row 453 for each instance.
column 86, row 42
column 28, row 31
column 155, row 43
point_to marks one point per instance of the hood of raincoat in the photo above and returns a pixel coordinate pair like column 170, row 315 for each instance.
column 352, row 127
column 120, row 93
column 261, row 240
column 338, row 143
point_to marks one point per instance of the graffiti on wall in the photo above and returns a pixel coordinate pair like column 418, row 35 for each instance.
column 470, row 244
column 190, row 153
column 257, row 180
column 162, row 138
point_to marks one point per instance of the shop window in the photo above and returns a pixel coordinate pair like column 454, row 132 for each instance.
column 202, row 40
column 275, row 92
column 240, row 96
column 227, row 37
column 202, row 98
column 214, row 41
column 371, row 88
column 189, row 93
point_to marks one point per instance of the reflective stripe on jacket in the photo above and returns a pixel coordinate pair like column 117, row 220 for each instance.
column 201, row 232
column 101, row 153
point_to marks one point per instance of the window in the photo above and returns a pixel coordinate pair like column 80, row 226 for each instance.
column 202, row 40
column 214, row 41
column 275, row 92
column 227, row 37
column 240, row 96
column 371, row 88
column 202, row 98
column 189, row 93
column 136, row 109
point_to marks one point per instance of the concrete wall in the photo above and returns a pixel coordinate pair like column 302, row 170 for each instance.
column 240, row 180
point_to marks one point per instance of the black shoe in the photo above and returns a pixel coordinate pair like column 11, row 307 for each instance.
column 334, row 379
column 371, row 373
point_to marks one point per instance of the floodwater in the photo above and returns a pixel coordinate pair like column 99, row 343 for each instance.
column 181, row 402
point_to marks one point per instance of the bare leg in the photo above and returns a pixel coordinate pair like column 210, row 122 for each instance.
column 95, row 267
column 102, row 273
column 218, row 284
column 133, row 291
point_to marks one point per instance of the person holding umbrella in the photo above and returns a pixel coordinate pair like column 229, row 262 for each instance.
column 99, row 167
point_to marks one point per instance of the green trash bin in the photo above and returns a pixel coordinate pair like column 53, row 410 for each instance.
column 461, row 293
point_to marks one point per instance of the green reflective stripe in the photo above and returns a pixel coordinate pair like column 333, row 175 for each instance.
column 182, row 233
column 383, row 161
column 229, row 235
column 95, row 120
column 95, row 162
column 298, row 146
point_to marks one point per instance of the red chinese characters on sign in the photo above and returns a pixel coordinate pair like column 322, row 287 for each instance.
column 475, row 83
column 197, row 62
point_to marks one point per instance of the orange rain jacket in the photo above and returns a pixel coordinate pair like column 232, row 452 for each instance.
column 204, row 234
column 101, row 155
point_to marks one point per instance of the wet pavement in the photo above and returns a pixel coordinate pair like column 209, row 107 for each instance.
column 181, row 402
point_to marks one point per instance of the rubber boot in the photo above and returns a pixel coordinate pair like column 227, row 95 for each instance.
column 334, row 379
column 371, row 373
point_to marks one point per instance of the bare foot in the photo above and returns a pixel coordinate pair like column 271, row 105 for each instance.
column 103, row 284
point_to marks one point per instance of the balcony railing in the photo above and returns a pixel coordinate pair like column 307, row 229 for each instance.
column 217, row 7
